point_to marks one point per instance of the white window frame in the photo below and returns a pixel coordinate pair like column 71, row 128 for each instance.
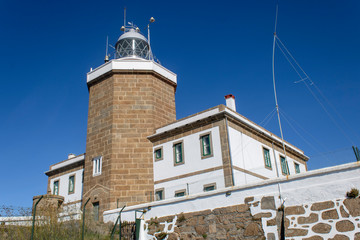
column 97, row 166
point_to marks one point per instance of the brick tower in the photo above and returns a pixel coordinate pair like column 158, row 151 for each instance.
column 129, row 97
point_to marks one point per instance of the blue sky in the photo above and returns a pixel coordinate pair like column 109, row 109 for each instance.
column 216, row 48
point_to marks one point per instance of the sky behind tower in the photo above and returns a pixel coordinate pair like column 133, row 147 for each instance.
column 215, row 47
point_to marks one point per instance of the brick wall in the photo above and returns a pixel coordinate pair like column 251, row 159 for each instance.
column 125, row 108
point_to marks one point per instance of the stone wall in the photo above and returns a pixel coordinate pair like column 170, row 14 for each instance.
column 332, row 219
column 220, row 223
column 259, row 218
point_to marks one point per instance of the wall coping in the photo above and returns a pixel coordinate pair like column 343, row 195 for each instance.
column 299, row 176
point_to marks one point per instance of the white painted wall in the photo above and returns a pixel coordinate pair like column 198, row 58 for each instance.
column 247, row 153
column 165, row 168
column 64, row 186
column 312, row 186
column 194, row 184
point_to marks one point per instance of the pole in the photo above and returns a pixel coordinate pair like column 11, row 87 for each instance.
column 83, row 225
column 33, row 221
column 357, row 153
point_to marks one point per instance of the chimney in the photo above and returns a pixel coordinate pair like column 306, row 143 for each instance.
column 230, row 102
column 71, row 155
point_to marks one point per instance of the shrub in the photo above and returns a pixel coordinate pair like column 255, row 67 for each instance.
column 353, row 193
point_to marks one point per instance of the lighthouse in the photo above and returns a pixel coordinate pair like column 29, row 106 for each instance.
column 129, row 97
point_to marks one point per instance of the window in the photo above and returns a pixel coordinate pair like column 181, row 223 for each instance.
column 267, row 160
column 56, row 187
column 284, row 166
column 97, row 162
column 159, row 194
column 297, row 167
column 180, row 193
column 209, row 187
column 71, row 184
column 205, row 144
column 96, row 211
column 178, row 153
column 158, row 155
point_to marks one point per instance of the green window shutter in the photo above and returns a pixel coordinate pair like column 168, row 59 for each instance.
column 206, row 147
column 267, row 157
column 178, row 153
column 284, row 166
column 71, row 184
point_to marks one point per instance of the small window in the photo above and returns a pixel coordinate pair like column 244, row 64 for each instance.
column 96, row 211
column 97, row 166
column 56, row 187
column 158, row 154
column 159, row 194
column 205, row 144
column 178, row 153
column 267, row 160
column 284, row 166
column 209, row 187
column 180, row 193
column 71, row 184
column 297, row 167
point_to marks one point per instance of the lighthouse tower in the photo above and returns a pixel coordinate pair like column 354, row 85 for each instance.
column 129, row 97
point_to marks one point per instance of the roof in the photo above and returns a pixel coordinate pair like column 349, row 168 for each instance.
column 66, row 164
column 221, row 111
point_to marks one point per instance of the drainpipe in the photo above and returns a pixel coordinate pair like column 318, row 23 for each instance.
column 231, row 163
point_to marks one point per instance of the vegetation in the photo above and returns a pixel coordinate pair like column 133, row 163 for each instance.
column 50, row 226
column 181, row 218
column 353, row 193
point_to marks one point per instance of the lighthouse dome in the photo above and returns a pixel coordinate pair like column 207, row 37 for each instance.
column 132, row 44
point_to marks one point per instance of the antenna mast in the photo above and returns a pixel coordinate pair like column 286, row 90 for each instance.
column 124, row 16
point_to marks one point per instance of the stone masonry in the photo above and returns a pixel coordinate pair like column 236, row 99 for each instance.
column 333, row 219
column 235, row 222
column 259, row 218
column 124, row 108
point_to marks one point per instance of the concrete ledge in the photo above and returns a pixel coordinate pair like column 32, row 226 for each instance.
column 133, row 64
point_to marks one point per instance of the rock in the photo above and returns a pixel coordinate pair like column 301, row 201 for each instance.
column 271, row 222
column 313, row 217
column 344, row 226
column 261, row 215
column 252, row 230
column 314, row 238
column 212, row 228
column 242, row 208
column 271, row 236
column 339, row 237
column 294, row 210
column 321, row 228
column 357, row 236
column 200, row 230
column 322, row 205
column 353, row 206
column 295, row 232
column 248, row 199
column 343, row 212
column 330, row 214
column 268, row 203
column 172, row 236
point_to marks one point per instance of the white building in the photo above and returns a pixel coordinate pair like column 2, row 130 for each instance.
column 218, row 148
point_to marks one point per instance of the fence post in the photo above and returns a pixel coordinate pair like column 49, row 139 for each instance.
column 33, row 221
column 83, row 216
